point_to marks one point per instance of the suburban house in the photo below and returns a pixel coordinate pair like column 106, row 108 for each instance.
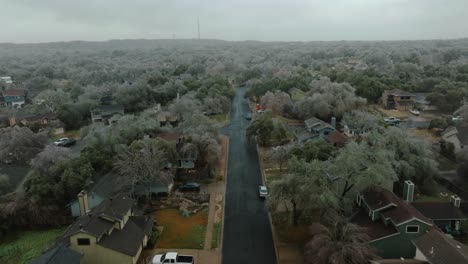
column 110, row 184
column 110, row 232
column 58, row 255
column 313, row 129
column 458, row 136
column 14, row 98
column 447, row 216
column 435, row 247
column 421, row 103
column 187, row 154
column 398, row 99
column 39, row 121
column 392, row 223
column 165, row 118
column 105, row 113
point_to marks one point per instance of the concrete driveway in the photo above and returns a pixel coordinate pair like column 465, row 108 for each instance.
column 247, row 236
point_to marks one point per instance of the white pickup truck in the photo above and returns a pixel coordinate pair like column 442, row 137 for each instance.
column 173, row 258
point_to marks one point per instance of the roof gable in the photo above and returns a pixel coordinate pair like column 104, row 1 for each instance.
column 59, row 255
column 438, row 248
column 377, row 198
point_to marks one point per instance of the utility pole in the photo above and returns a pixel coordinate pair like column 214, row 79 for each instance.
column 198, row 23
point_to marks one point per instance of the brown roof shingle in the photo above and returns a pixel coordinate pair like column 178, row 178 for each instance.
column 378, row 197
column 438, row 248
column 374, row 230
column 439, row 211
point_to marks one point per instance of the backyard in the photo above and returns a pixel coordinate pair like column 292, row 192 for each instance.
column 26, row 245
column 179, row 231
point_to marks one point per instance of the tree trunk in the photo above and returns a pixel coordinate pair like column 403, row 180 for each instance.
column 295, row 214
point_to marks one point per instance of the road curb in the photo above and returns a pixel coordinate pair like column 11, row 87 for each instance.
column 221, row 235
column 272, row 227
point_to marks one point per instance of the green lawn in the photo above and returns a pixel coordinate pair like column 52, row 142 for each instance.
column 216, row 234
column 27, row 245
column 438, row 196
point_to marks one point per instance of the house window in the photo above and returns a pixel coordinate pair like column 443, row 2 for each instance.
column 83, row 241
column 412, row 229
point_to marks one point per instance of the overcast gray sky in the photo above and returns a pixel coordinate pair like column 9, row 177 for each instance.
column 284, row 20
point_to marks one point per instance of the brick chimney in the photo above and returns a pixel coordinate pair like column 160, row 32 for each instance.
column 83, row 203
column 408, row 191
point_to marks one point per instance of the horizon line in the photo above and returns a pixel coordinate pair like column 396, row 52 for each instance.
column 246, row 40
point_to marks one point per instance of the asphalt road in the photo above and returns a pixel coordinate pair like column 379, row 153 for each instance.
column 247, row 236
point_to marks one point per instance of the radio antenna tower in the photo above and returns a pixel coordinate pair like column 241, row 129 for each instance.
column 198, row 23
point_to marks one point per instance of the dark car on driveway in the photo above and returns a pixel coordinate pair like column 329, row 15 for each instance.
column 248, row 116
column 190, row 187
column 67, row 142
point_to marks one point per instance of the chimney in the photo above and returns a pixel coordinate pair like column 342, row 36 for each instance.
column 333, row 122
column 83, row 203
column 408, row 191
column 455, row 200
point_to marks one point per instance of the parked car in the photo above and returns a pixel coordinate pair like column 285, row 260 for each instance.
column 415, row 112
column 190, row 187
column 248, row 116
column 172, row 257
column 262, row 191
column 392, row 121
column 65, row 142
column 457, row 118
column 60, row 141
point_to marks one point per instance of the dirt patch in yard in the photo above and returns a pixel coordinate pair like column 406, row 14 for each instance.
column 181, row 232
column 221, row 166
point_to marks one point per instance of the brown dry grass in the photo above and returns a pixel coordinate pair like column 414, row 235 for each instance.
column 426, row 135
column 221, row 166
column 395, row 113
column 179, row 231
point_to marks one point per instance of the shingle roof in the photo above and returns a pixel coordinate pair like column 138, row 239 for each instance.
column 463, row 133
column 439, row 211
column 114, row 208
column 14, row 92
column 101, row 220
column 129, row 239
column 90, row 224
column 398, row 92
column 35, row 117
column 438, row 248
column 316, row 124
column 59, row 255
column 94, row 223
column 375, row 230
column 378, row 197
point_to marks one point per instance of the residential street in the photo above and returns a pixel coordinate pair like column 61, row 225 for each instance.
column 247, row 236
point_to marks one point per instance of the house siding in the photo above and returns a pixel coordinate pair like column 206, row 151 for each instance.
column 400, row 246
column 95, row 253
